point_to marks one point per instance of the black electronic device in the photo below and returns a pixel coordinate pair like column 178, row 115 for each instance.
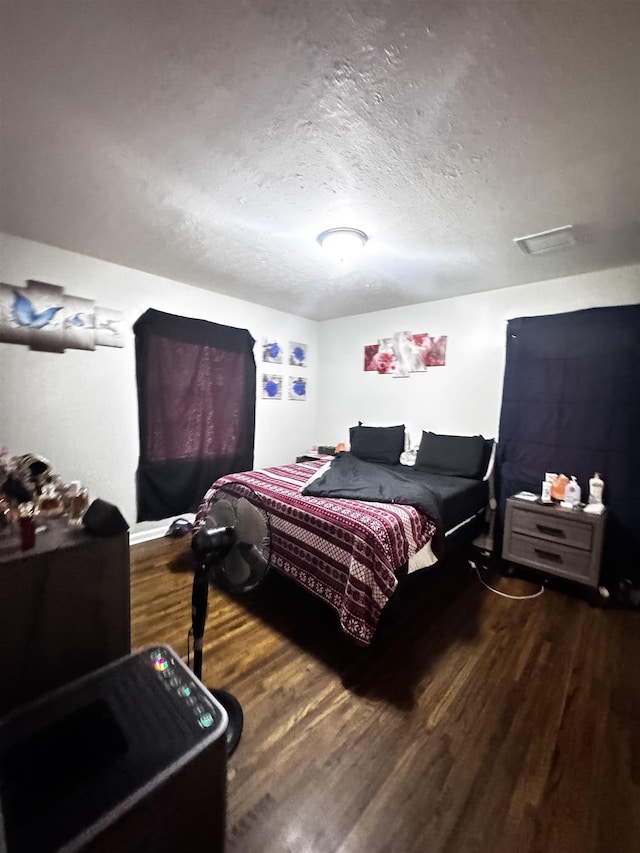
column 131, row 757
column 104, row 519
column 234, row 543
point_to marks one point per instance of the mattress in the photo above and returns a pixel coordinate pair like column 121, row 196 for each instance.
column 459, row 498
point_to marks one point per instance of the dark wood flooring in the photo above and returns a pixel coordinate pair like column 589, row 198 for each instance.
column 474, row 723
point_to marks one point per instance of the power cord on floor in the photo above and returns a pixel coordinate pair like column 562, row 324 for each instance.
column 504, row 594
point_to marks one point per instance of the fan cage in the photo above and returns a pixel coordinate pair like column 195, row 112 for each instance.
column 233, row 492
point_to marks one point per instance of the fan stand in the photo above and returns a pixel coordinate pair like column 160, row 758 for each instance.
column 224, row 535
column 199, row 598
column 233, row 708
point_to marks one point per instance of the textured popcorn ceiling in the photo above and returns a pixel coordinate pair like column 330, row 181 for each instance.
column 210, row 142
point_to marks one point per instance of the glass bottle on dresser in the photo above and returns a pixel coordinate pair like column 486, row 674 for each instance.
column 78, row 498
column 50, row 503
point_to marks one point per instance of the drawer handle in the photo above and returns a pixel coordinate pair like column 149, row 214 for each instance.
column 548, row 555
column 551, row 531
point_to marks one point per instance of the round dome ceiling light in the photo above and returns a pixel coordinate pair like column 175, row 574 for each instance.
column 342, row 243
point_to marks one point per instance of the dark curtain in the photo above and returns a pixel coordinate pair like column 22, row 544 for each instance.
column 571, row 404
column 196, row 401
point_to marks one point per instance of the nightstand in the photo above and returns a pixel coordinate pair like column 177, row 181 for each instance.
column 554, row 540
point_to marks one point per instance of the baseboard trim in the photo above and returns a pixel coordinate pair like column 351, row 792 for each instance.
column 147, row 535
column 157, row 532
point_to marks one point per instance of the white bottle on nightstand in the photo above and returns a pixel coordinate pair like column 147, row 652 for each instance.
column 572, row 493
column 596, row 488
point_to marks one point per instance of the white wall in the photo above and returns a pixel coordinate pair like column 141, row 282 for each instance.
column 464, row 397
column 79, row 409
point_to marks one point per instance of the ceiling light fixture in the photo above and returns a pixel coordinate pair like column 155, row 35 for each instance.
column 342, row 243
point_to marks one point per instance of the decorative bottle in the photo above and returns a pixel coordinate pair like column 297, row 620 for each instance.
column 78, row 503
column 572, row 493
column 50, row 500
column 596, row 488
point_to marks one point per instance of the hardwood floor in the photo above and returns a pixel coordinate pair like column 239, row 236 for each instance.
column 474, row 723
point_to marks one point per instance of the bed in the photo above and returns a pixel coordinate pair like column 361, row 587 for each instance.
column 352, row 550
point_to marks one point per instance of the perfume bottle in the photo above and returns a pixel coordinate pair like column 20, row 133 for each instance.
column 50, row 502
column 78, row 498
column 27, row 526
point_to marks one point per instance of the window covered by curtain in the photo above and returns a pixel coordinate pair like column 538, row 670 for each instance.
column 571, row 404
column 196, row 402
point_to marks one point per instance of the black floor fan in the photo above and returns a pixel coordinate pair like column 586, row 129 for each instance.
column 233, row 546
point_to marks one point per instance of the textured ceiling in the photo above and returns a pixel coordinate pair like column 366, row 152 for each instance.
column 210, row 142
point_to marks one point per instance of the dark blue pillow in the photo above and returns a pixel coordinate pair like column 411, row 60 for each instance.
column 377, row 444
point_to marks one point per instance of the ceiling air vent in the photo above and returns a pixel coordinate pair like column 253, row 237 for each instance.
column 547, row 241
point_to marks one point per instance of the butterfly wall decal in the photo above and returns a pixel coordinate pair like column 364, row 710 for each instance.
column 77, row 321
column 25, row 314
column 73, row 322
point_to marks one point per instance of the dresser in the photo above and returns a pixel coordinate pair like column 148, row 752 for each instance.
column 554, row 539
column 64, row 609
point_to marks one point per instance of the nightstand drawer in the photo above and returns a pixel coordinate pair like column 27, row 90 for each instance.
column 550, row 557
column 561, row 530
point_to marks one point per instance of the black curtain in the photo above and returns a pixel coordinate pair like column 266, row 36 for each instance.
column 196, row 402
column 571, row 404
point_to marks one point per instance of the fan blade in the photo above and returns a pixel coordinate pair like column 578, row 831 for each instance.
column 254, row 557
column 250, row 525
column 236, row 569
column 223, row 514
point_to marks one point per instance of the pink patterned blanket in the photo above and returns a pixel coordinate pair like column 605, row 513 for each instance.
column 346, row 552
